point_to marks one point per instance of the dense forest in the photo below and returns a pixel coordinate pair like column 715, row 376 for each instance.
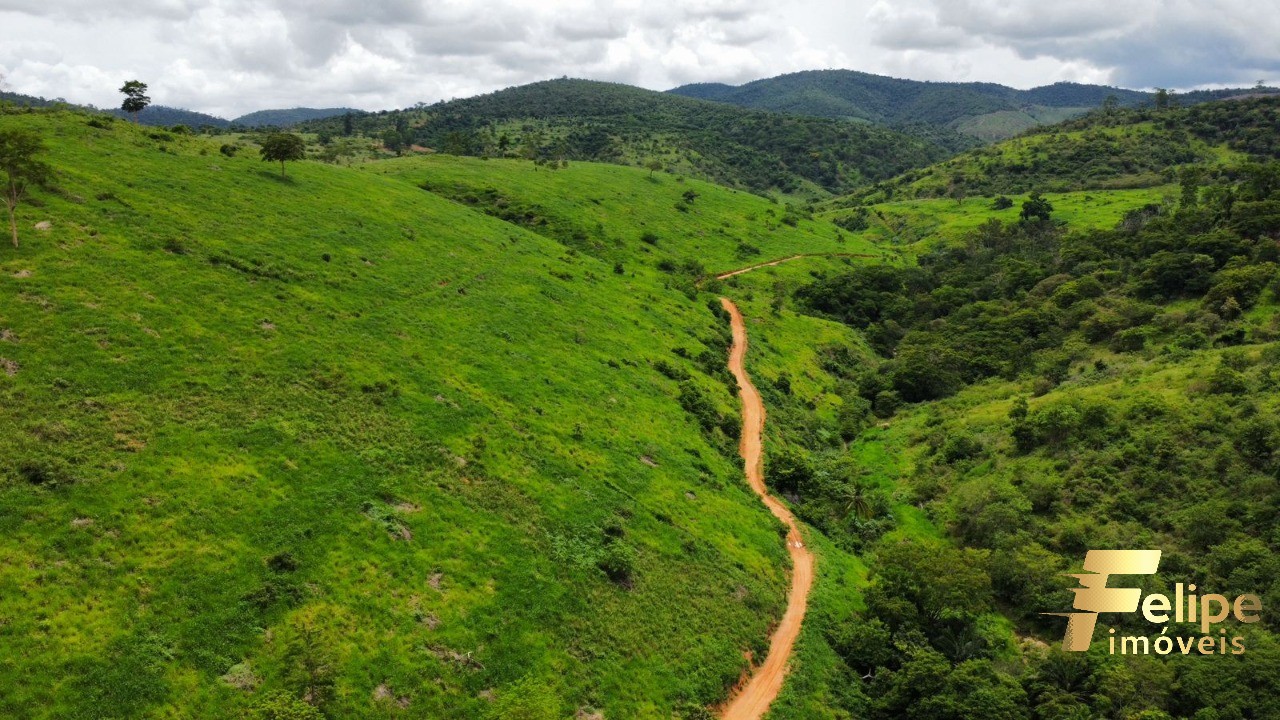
column 1137, row 369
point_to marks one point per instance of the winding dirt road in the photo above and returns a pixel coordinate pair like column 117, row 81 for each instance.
column 753, row 699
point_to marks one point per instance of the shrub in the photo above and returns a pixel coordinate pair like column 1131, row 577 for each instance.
column 886, row 403
column 1131, row 340
column 1225, row 381
column 618, row 562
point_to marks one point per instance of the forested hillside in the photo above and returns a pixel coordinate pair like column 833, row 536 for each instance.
column 1131, row 148
column 606, row 122
column 1042, row 389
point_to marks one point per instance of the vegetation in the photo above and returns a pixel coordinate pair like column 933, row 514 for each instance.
column 282, row 148
column 286, row 118
column 367, row 447
column 135, row 98
column 451, row 434
column 1130, row 148
column 1052, row 391
column 22, row 167
column 579, row 120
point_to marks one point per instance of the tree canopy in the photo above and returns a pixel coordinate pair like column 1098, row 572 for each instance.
column 20, row 167
column 282, row 147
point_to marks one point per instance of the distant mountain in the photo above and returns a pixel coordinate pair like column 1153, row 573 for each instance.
column 610, row 122
column 29, row 100
column 167, row 116
column 287, row 118
column 984, row 110
column 161, row 115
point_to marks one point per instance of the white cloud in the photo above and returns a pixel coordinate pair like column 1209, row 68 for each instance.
column 234, row 56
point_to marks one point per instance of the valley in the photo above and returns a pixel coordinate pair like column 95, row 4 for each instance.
column 480, row 432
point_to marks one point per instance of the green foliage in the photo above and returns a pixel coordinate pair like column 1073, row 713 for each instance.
column 135, row 97
column 279, row 705
column 373, row 411
column 606, row 122
column 21, row 166
column 281, row 148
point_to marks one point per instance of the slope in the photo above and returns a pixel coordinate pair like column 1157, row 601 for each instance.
column 338, row 439
column 1038, row 388
column 972, row 108
column 985, row 111
column 289, row 117
column 586, row 120
column 1097, row 167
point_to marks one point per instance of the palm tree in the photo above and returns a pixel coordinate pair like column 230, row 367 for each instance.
column 856, row 501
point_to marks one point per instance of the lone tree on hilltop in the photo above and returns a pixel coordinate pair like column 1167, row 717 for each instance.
column 21, row 168
column 135, row 98
column 281, row 147
column 653, row 166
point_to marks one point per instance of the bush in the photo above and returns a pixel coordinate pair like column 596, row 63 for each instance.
column 886, row 403
column 1131, row 340
column 618, row 563
column 1225, row 381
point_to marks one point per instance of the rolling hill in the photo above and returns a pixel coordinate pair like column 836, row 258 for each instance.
column 608, row 122
column 1124, row 149
column 340, row 438
column 984, row 110
column 453, row 435
column 287, row 118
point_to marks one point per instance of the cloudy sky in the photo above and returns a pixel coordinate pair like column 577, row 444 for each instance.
column 228, row 57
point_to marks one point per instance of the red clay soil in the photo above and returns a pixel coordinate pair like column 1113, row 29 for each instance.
column 753, row 699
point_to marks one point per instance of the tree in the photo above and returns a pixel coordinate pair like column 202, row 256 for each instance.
column 1036, row 208
column 21, row 168
column 957, row 190
column 1109, row 104
column 393, row 141
column 1162, row 99
column 348, row 125
column 279, row 147
column 135, row 98
column 653, row 166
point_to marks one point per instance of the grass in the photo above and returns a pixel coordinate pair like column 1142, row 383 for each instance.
column 262, row 423
column 605, row 210
column 924, row 221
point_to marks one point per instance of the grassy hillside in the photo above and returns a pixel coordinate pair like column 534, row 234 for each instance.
column 341, row 439
column 626, row 216
column 584, row 120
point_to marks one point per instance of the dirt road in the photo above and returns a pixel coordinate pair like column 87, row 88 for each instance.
column 771, row 263
column 753, row 700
